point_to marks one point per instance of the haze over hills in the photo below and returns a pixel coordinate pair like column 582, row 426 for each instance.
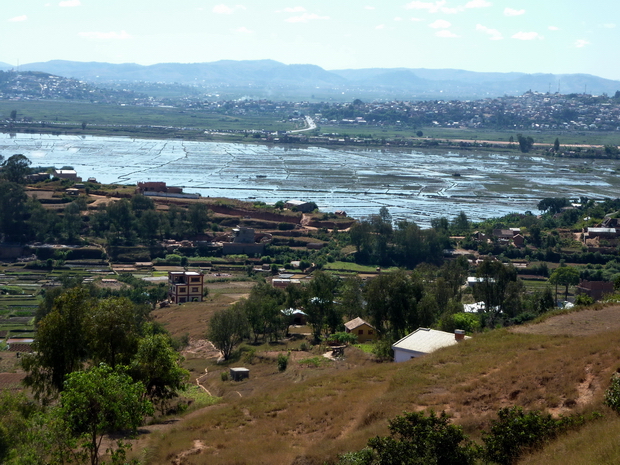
column 417, row 83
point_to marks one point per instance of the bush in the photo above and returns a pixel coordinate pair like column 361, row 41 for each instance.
column 612, row 394
column 224, row 375
column 343, row 338
column 282, row 362
column 517, row 431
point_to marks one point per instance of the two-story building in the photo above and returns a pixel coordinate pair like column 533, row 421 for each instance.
column 185, row 286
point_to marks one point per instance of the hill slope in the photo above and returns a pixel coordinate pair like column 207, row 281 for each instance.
column 309, row 415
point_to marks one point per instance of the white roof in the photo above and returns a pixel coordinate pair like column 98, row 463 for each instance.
column 426, row 340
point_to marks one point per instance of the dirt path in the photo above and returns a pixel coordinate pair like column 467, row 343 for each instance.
column 582, row 323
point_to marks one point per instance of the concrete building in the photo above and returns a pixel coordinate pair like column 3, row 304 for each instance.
column 243, row 243
column 185, row 286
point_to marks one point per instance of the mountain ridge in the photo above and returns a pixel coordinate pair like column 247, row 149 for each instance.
column 396, row 82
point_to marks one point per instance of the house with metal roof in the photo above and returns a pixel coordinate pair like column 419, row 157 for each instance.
column 424, row 341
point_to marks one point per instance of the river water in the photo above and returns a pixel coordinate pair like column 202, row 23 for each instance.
column 413, row 184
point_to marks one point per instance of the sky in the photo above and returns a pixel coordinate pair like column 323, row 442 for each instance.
column 531, row 36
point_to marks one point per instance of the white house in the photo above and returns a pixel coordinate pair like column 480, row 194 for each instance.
column 424, row 341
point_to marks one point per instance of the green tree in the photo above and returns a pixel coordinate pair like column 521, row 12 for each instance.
column 101, row 401
column 13, row 211
column 351, row 298
column 564, row 276
column 319, row 305
column 525, row 143
column 198, row 216
column 498, row 287
column 15, row 168
column 227, row 328
column 158, row 367
column 556, row 145
column 112, row 332
column 391, row 299
column 60, row 346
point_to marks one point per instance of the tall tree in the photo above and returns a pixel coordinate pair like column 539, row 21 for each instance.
column 112, row 332
column 319, row 305
column 13, row 211
column 158, row 367
column 564, row 276
column 16, row 168
column 227, row 328
column 101, row 401
column 60, row 345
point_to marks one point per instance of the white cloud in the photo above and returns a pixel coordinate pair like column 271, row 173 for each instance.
column 69, row 3
column 431, row 7
column 478, row 4
column 243, row 30
column 380, row 27
column 306, row 17
column 445, row 34
column 222, row 9
column 609, row 25
column 417, row 19
column 452, row 11
column 369, row 8
column 18, row 19
column 295, row 9
column 440, row 24
column 513, row 12
column 494, row 34
column 527, row 35
column 398, row 18
column 581, row 43
column 105, row 35
column 553, row 28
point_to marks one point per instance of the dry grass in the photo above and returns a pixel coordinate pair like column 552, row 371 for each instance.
column 311, row 414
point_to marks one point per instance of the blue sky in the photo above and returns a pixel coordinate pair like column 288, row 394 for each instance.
column 567, row 36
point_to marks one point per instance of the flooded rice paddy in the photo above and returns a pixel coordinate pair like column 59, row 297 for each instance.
column 414, row 185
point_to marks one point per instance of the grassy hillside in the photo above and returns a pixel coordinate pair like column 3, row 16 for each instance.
column 312, row 412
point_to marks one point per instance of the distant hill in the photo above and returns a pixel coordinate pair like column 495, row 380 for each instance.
column 387, row 83
column 252, row 72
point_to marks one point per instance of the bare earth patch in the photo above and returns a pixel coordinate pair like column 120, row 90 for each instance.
column 582, row 323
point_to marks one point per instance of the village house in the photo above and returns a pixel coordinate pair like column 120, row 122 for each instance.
column 363, row 330
column 594, row 289
column 299, row 205
column 424, row 341
column 185, row 286
column 66, row 174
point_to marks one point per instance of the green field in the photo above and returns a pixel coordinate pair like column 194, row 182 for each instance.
column 166, row 122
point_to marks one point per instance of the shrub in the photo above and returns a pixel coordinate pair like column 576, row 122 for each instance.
column 515, row 432
column 419, row 439
column 612, row 394
column 343, row 338
column 282, row 362
column 224, row 375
